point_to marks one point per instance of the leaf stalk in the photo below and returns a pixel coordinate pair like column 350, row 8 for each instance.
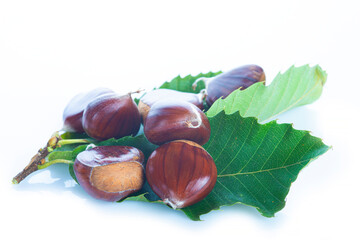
column 47, row 164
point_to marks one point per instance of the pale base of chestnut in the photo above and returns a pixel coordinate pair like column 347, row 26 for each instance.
column 175, row 204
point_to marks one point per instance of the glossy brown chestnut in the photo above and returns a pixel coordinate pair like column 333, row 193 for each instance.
column 111, row 116
column 176, row 120
column 153, row 96
column 225, row 83
column 110, row 173
column 181, row 173
column 73, row 112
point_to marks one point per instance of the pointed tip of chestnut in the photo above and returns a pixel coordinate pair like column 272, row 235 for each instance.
column 110, row 173
column 73, row 112
column 111, row 116
column 174, row 120
column 174, row 203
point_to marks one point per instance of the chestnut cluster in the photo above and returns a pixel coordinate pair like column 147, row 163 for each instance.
column 180, row 171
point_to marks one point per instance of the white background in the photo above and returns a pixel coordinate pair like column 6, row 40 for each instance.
column 51, row 50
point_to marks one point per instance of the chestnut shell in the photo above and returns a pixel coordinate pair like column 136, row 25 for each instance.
column 110, row 173
column 73, row 112
column 175, row 120
column 181, row 173
column 225, row 83
column 150, row 98
column 111, row 116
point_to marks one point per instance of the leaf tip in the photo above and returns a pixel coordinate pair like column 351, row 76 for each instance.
column 322, row 74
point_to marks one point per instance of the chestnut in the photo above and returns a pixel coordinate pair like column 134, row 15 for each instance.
column 73, row 112
column 175, row 120
column 153, row 96
column 224, row 84
column 110, row 173
column 111, row 116
column 181, row 173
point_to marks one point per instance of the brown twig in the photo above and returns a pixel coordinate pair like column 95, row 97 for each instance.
column 37, row 159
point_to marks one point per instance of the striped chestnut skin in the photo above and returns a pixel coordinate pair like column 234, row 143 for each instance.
column 110, row 173
column 181, row 173
column 225, row 83
column 111, row 116
column 73, row 112
column 153, row 96
column 176, row 120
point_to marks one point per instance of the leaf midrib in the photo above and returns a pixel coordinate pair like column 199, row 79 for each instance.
column 263, row 170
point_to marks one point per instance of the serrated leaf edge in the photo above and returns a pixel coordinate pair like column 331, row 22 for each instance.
column 288, row 188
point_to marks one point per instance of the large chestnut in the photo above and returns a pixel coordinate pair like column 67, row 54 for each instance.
column 224, row 84
column 111, row 116
column 110, row 173
column 175, row 120
column 148, row 100
column 181, row 173
column 73, row 112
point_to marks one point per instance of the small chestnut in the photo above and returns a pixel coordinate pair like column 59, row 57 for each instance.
column 111, row 116
column 73, row 112
column 153, row 96
column 175, row 120
column 181, row 173
column 110, row 173
column 224, row 84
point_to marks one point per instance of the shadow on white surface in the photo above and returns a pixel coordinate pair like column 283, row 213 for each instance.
column 56, row 180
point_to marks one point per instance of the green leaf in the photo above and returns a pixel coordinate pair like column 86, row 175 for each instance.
column 142, row 197
column 295, row 87
column 68, row 155
column 72, row 173
column 74, row 135
column 256, row 163
column 184, row 84
column 139, row 142
column 64, row 152
column 78, row 150
column 138, row 197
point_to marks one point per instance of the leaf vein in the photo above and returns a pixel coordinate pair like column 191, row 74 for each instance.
column 254, row 197
column 222, row 150
column 256, row 150
column 277, row 145
column 283, row 93
column 267, row 189
column 285, row 161
column 292, row 105
column 252, row 124
column 251, row 100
